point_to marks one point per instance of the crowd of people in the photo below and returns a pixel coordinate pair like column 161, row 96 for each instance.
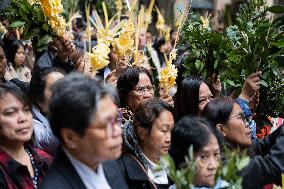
column 61, row 127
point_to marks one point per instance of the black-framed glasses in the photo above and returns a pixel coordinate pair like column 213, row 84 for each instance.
column 142, row 89
column 243, row 117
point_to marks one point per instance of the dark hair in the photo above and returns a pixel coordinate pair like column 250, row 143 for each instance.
column 38, row 83
column 2, row 44
column 172, row 31
column 186, row 99
column 6, row 88
column 219, row 110
column 189, row 131
column 12, row 50
column 158, row 43
column 128, row 80
column 74, row 102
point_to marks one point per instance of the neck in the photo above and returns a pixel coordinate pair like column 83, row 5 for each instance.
column 85, row 160
column 14, row 150
column 151, row 156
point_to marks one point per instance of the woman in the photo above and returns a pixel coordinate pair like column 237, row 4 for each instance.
column 135, row 86
column 267, row 162
column 21, row 166
column 191, row 97
column 196, row 132
column 16, row 58
column 40, row 93
column 145, row 143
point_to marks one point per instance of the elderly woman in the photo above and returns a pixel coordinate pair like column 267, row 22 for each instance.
column 197, row 132
column 135, row 86
column 21, row 166
column 268, row 162
column 145, row 143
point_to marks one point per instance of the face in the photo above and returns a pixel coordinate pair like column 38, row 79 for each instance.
column 102, row 140
column 237, row 130
column 15, row 121
column 3, row 63
column 20, row 56
column 205, row 96
column 50, row 80
column 157, row 142
column 141, row 92
column 207, row 161
column 142, row 39
column 149, row 37
column 174, row 36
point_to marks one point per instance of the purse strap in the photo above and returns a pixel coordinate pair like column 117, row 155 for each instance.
column 153, row 185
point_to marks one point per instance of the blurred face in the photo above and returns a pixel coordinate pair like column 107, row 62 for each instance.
column 205, row 96
column 149, row 37
column 102, row 140
column 141, row 92
column 20, row 56
column 157, row 142
column 142, row 39
column 237, row 130
column 3, row 63
column 174, row 36
column 15, row 121
column 207, row 161
column 50, row 80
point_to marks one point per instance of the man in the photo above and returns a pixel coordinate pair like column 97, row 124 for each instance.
column 84, row 118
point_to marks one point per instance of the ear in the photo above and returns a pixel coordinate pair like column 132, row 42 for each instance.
column 70, row 138
column 222, row 129
column 141, row 132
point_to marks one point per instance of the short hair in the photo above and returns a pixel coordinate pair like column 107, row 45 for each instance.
column 11, row 51
column 73, row 103
column 219, row 110
column 128, row 80
column 148, row 112
column 186, row 99
column 7, row 88
column 189, row 131
column 38, row 83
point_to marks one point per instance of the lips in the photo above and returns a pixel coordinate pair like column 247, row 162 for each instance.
column 23, row 130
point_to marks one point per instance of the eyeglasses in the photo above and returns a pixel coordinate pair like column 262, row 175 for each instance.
column 142, row 89
column 109, row 126
column 205, row 99
column 243, row 118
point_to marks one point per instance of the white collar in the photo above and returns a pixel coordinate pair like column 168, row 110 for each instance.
column 91, row 179
column 158, row 173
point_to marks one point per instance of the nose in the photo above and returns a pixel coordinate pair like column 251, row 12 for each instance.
column 23, row 117
column 117, row 130
column 213, row 163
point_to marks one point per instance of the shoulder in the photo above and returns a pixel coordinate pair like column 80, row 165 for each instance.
column 54, row 180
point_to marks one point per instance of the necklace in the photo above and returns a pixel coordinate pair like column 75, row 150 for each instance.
column 35, row 178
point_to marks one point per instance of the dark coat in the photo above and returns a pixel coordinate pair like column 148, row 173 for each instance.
column 135, row 177
column 268, row 164
column 63, row 175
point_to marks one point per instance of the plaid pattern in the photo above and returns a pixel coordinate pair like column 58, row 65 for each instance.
column 14, row 175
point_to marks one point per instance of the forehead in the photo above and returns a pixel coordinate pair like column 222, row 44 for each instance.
column 204, row 89
column 143, row 80
column 105, row 108
column 212, row 145
column 236, row 109
column 9, row 100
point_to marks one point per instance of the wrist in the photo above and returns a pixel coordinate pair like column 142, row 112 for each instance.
column 245, row 97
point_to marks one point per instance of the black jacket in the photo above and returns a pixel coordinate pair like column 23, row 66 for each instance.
column 62, row 175
column 268, row 164
column 135, row 177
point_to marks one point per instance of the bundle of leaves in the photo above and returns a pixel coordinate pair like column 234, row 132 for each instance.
column 253, row 43
column 29, row 18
